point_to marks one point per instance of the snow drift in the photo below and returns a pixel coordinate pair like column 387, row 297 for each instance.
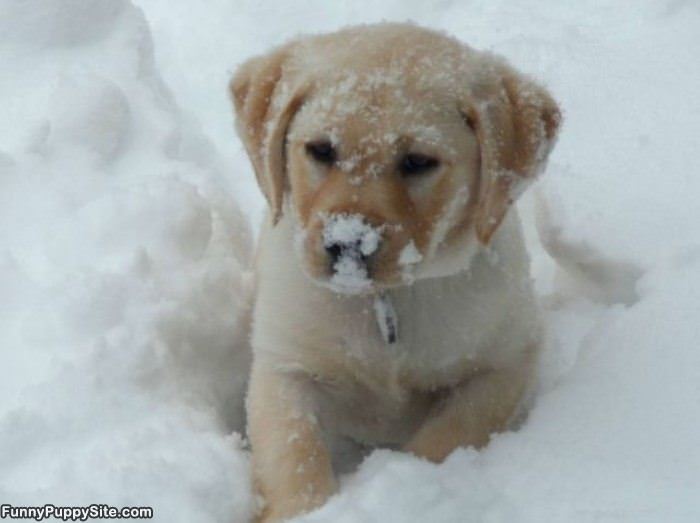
column 123, row 257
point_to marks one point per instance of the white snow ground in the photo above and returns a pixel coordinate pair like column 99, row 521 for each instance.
column 122, row 256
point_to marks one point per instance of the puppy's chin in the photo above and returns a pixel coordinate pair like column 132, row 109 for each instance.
column 348, row 288
column 354, row 281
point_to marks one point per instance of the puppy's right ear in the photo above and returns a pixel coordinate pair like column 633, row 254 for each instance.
column 516, row 121
column 266, row 95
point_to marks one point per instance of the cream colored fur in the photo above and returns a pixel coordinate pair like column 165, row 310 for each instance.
column 325, row 386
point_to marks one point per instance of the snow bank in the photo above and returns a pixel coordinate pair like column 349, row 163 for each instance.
column 122, row 271
column 122, row 255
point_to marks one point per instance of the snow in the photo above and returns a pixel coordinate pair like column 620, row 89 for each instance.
column 124, row 250
column 122, row 271
column 351, row 231
column 355, row 240
column 409, row 254
column 408, row 258
column 350, row 275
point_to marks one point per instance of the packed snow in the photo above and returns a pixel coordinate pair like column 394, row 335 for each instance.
column 126, row 206
column 122, row 257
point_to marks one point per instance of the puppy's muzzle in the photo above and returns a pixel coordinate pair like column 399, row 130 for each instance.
column 349, row 241
column 339, row 250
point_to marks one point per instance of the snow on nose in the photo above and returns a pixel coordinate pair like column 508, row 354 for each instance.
column 349, row 240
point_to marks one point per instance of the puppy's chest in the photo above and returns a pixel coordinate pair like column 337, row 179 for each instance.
column 377, row 392
column 434, row 349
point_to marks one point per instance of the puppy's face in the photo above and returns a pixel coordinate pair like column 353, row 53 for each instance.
column 395, row 149
column 379, row 175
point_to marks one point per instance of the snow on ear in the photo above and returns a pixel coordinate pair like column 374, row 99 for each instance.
column 516, row 124
column 266, row 97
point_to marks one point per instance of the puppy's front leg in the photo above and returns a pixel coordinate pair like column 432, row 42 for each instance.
column 291, row 464
column 470, row 414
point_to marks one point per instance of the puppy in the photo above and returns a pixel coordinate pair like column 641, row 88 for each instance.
column 393, row 299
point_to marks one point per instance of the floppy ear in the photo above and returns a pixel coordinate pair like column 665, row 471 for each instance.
column 516, row 124
column 266, row 96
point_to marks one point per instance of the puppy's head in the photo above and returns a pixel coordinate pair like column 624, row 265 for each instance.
column 395, row 149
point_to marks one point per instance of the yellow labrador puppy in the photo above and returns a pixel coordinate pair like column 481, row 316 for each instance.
column 393, row 306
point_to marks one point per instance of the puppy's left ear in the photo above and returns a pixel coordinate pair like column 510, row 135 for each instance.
column 516, row 123
column 266, row 95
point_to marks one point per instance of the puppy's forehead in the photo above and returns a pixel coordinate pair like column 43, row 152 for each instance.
column 376, row 86
column 412, row 52
column 378, row 106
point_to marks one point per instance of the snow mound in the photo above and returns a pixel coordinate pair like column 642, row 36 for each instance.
column 123, row 258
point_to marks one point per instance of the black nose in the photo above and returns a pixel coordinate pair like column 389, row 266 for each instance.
column 351, row 250
column 334, row 251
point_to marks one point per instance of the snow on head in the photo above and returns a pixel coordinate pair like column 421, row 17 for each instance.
column 351, row 240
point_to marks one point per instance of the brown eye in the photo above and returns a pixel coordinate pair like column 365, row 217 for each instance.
column 322, row 151
column 415, row 163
